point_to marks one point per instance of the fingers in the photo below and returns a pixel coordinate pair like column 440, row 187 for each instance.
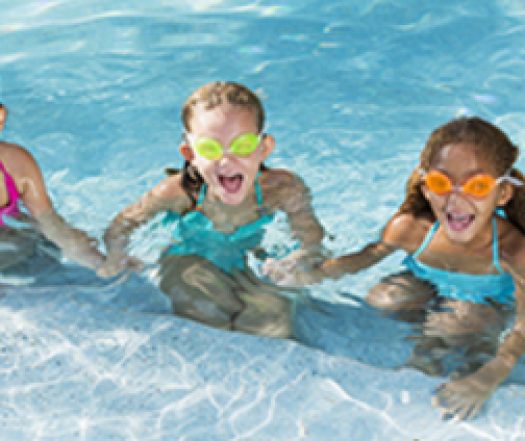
column 134, row 264
column 458, row 400
column 291, row 274
column 106, row 271
column 278, row 270
column 112, row 267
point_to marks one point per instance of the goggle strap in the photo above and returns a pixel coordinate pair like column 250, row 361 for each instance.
column 510, row 179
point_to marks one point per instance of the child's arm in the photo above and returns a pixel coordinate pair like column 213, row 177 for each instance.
column 352, row 263
column 309, row 263
column 74, row 243
column 403, row 231
column 296, row 201
column 465, row 397
column 285, row 191
column 168, row 194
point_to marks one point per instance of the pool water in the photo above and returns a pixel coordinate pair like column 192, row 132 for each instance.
column 352, row 90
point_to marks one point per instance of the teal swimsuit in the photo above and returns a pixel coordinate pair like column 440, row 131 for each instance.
column 476, row 288
column 195, row 234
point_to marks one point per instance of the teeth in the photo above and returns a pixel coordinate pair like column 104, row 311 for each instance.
column 459, row 217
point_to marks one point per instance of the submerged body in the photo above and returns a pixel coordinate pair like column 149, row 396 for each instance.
column 222, row 200
column 459, row 252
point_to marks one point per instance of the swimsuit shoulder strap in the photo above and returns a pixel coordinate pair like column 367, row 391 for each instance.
column 495, row 246
column 10, row 185
column 202, row 194
column 430, row 233
column 258, row 190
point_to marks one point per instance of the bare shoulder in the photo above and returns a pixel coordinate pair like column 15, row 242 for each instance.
column 18, row 161
column 169, row 188
column 170, row 194
column 281, row 187
column 406, row 231
column 512, row 244
column 279, row 177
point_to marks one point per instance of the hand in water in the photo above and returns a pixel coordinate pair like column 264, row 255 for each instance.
column 464, row 318
column 253, row 285
column 116, row 264
column 439, row 324
column 301, row 267
column 463, row 399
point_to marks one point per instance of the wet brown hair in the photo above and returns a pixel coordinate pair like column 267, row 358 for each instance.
column 489, row 141
column 208, row 97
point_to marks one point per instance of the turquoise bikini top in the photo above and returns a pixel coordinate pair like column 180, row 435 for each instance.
column 195, row 234
column 475, row 288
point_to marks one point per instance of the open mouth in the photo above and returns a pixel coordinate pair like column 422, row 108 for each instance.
column 231, row 184
column 459, row 222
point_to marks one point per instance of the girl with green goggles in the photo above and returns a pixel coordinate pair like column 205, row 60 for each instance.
column 219, row 213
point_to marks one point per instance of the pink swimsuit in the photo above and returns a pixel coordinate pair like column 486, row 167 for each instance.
column 11, row 209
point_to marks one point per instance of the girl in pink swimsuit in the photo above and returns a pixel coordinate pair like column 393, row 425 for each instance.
column 31, row 190
column 11, row 209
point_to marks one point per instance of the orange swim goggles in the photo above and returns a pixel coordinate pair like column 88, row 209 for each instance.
column 477, row 186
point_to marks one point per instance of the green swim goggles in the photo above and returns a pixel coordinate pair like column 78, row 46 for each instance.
column 209, row 148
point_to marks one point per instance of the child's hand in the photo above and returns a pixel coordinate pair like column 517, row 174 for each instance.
column 463, row 319
column 299, row 268
column 463, row 399
column 116, row 264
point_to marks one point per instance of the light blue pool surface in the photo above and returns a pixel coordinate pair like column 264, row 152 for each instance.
column 352, row 89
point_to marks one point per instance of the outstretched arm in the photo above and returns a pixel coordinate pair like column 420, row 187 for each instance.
column 464, row 398
column 74, row 243
column 354, row 262
column 403, row 231
column 168, row 194
column 288, row 193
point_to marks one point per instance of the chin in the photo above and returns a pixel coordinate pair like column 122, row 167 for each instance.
column 460, row 238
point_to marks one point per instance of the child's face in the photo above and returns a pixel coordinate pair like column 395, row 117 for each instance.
column 465, row 217
column 230, row 178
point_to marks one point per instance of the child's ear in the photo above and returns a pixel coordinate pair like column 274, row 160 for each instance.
column 267, row 145
column 186, row 151
column 505, row 194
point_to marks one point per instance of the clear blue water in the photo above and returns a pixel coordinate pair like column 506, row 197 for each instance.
column 352, row 89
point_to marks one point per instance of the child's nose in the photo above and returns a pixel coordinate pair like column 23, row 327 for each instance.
column 456, row 197
column 226, row 157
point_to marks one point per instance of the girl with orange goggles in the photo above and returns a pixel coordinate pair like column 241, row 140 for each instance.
column 475, row 281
